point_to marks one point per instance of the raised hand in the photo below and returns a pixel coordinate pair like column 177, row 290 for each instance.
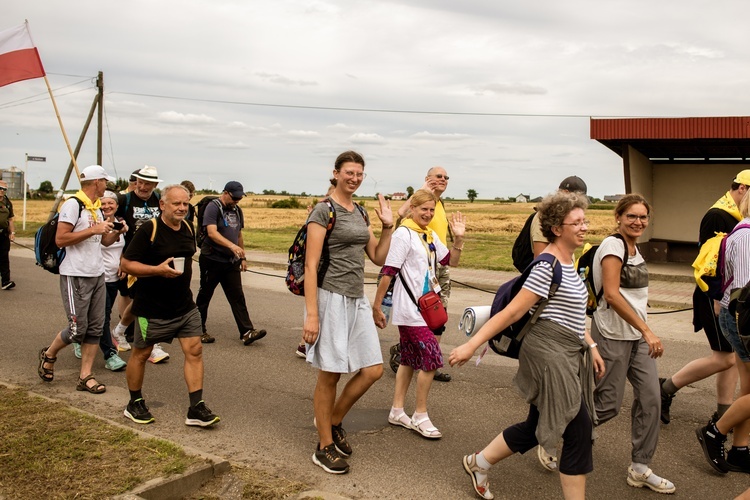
column 458, row 224
column 384, row 213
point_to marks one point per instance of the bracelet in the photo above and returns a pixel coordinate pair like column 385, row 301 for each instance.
column 388, row 227
column 459, row 249
column 591, row 346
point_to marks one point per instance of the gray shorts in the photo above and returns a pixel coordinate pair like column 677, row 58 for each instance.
column 152, row 331
column 84, row 301
column 348, row 339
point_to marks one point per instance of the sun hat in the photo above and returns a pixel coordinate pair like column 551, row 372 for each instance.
column 148, row 173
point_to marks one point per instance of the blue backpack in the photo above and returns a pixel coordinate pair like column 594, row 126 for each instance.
column 49, row 256
column 508, row 342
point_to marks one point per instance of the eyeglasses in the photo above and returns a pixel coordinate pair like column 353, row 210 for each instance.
column 577, row 224
column 351, row 173
column 441, row 176
column 633, row 217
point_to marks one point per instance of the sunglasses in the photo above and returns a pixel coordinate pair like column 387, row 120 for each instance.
column 3, row 188
column 441, row 176
column 236, row 199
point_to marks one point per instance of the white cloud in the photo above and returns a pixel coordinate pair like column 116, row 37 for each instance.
column 429, row 136
column 184, row 118
column 366, row 138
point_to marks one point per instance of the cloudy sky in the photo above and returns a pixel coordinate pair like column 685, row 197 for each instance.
column 269, row 92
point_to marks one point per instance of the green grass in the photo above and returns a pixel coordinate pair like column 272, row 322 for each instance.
column 50, row 451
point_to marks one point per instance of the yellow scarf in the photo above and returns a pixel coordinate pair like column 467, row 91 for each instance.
column 88, row 205
column 415, row 227
column 727, row 204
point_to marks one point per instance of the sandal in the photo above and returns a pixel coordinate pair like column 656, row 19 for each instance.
column 46, row 374
column 97, row 388
column 424, row 427
column 401, row 419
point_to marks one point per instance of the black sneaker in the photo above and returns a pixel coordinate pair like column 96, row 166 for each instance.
column 442, row 376
column 713, row 448
column 137, row 411
column 738, row 460
column 395, row 361
column 207, row 339
column 8, row 285
column 251, row 336
column 329, row 460
column 200, row 416
column 339, row 439
column 666, row 402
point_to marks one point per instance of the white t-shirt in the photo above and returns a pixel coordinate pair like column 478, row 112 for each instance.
column 111, row 256
column 408, row 253
column 633, row 288
column 83, row 259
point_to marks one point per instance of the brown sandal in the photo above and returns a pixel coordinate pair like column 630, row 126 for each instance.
column 46, row 374
column 94, row 389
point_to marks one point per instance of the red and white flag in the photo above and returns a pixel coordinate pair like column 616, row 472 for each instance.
column 19, row 59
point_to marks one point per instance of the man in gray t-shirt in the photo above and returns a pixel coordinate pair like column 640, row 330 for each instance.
column 345, row 274
column 222, row 260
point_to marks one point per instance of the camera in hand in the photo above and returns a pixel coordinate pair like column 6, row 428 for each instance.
column 117, row 225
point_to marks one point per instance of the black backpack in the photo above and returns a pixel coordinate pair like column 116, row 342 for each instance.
column 508, row 342
column 49, row 256
column 585, row 267
column 523, row 253
column 200, row 209
column 739, row 307
column 295, row 269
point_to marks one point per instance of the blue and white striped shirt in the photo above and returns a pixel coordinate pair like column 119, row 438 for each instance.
column 568, row 306
column 737, row 260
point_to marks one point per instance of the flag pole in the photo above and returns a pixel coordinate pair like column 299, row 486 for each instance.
column 62, row 128
column 25, row 169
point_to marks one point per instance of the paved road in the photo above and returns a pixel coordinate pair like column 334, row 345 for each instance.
column 263, row 393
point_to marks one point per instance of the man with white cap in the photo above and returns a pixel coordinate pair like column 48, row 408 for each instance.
column 137, row 207
column 82, row 231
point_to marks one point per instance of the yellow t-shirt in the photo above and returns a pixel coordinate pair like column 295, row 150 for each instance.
column 439, row 223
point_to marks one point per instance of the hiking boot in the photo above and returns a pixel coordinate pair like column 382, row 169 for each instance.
column 471, row 468
column 329, row 460
column 395, row 360
column 207, row 339
column 77, row 350
column 115, row 363
column 158, row 354
column 119, row 342
column 251, row 336
column 8, row 285
column 137, row 411
column 339, row 439
column 442, row 376
column 200, row 416
column 301, row 351
column 738, row 460
column 666, row 402
column 713, row 448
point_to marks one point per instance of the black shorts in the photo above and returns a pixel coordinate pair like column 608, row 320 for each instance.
column 151, row 331
column 704, row 318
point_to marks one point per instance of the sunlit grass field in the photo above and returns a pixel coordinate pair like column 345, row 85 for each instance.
column 491, row 226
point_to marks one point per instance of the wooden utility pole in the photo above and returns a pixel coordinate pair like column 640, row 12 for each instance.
column 98, row 103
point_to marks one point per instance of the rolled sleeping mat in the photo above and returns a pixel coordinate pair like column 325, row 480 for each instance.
column 473, row 319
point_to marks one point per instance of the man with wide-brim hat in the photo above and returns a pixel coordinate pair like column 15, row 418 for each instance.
column 137, row 207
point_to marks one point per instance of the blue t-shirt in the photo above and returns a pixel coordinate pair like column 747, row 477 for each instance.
column 229, row 222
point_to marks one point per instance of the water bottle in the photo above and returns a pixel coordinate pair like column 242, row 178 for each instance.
column 387, row 305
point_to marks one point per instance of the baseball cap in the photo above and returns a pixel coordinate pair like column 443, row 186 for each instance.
column 574, row 184
column 133, row 178
column 148, row 173
column 94, row 172
column 743, row 178
column 235, row 189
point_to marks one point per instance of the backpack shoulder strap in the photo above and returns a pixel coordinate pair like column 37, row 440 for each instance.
column 154, row 225
column 556, row 280
column 362, row 212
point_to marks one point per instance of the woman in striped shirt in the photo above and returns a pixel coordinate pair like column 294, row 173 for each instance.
column 555, row 373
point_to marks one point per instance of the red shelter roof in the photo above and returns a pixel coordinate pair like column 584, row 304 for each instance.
column 670, row 139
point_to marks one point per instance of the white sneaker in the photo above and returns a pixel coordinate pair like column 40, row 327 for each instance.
column 158, row 354
column 119, row 342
